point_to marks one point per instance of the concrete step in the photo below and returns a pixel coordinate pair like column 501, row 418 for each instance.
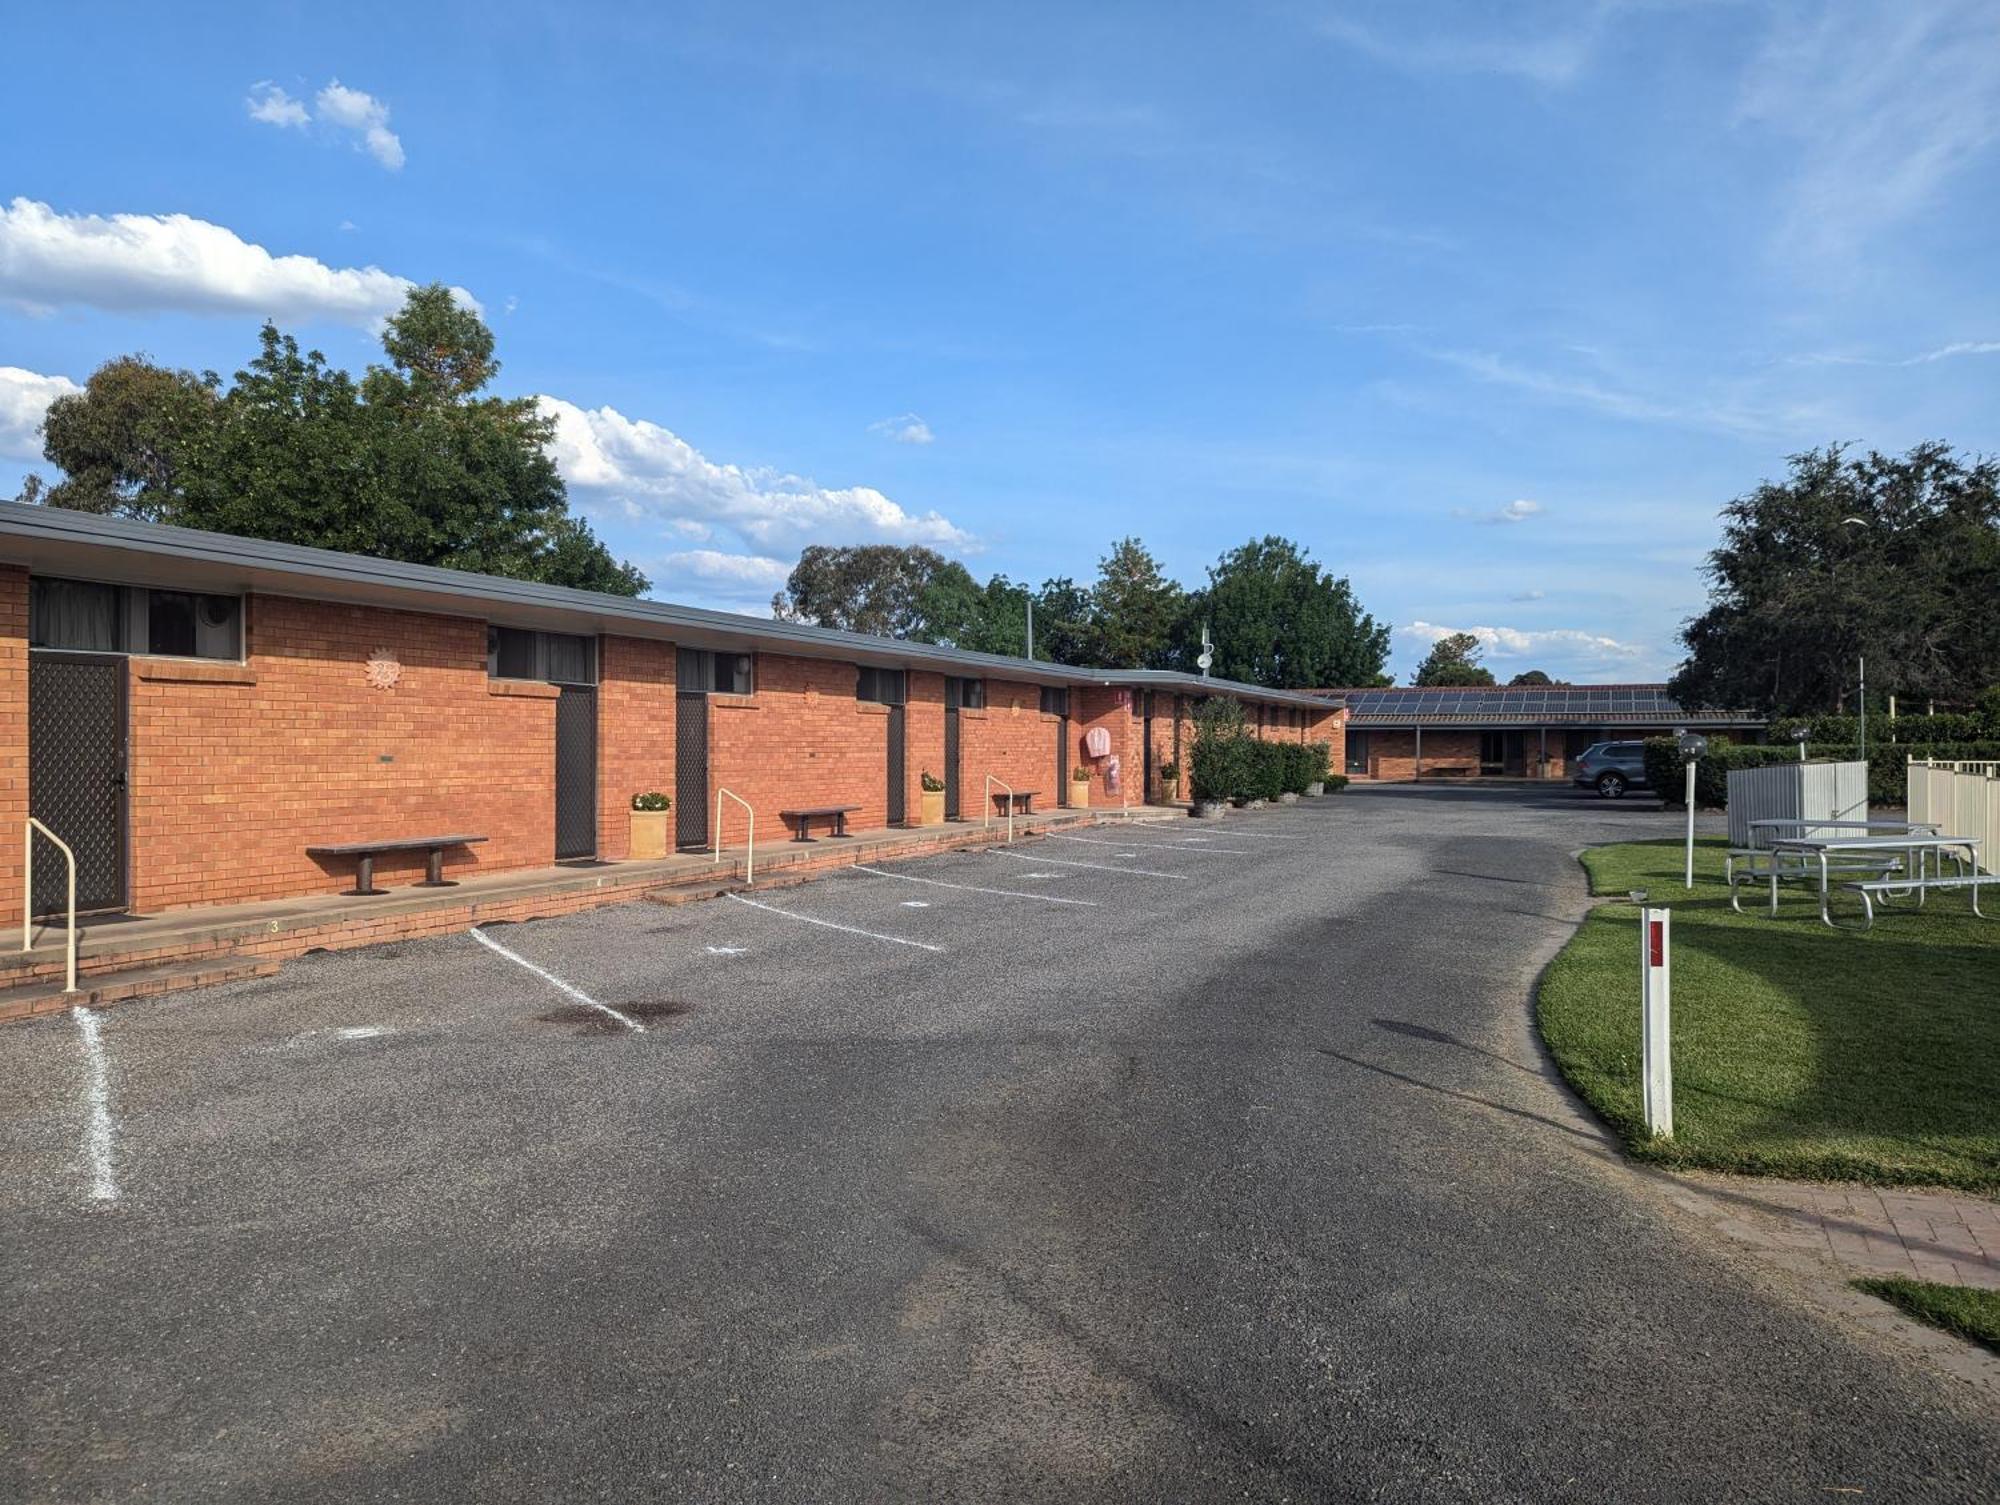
column 137, row 982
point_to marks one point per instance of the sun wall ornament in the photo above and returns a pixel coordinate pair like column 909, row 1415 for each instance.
column 384, row 672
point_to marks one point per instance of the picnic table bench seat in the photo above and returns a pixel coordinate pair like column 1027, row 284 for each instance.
column 365, row 853
column 1022, row 799
column 806, row 815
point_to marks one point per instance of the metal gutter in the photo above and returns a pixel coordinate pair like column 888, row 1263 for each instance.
column 57, row 540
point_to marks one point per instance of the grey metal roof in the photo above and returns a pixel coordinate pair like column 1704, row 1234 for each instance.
column 1529, row 705
column 57, row 541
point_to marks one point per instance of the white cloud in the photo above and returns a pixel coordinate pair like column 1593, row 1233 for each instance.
column 173, row 262
column 1885, row 104
column 1744, row 418
column 1517, row 642
column 273, row 106
column 1948, row 352
column 1529, row 595
column 714, row 567
column 366, row 116
column 653, row 474
column 906, row 428
column 24, row 397
column 1517, row 511
column 1554, row 57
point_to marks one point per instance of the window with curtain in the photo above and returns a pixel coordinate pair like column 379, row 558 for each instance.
column 75, row 614
column 883, row 686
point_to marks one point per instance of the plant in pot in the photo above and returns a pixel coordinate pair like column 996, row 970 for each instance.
column 930, row 805
column 1079, row 788
column 1170, row 783
column 650, row 837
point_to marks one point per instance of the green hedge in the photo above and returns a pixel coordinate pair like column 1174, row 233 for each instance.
column 1226, row 764
column 1886, row 782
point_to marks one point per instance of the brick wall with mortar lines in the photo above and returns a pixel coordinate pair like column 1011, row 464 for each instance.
column 1012, row 740
column 923, row 739
column 635, row 735
column 13, row 731
column 801, row 739
column 1094, row 706
column 236, row 769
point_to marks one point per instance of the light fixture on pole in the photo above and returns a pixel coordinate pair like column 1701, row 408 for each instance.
column 1799, row 734
column 1691, row 747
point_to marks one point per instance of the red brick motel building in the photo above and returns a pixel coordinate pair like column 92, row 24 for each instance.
column 1509, row 731
column 192, row 711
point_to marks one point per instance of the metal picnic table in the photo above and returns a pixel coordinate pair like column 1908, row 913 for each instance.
column 1822, row 855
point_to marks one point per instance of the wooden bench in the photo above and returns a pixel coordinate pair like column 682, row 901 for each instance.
column 835, row 813
column 1022, row 800
column 367, row 851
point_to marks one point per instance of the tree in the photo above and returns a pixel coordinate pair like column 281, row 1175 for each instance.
column 958, row 612
column 1531, row 677
column 875, row 588
column 1066, row 624
column 1453, row 660
column 1280, row 620
column 1135, row 608
column 124, row 441
column 1893, row 558
column 410, row 464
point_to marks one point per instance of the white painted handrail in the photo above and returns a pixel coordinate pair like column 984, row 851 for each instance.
column 749, row 835
column 28, row 893
column 991, row 780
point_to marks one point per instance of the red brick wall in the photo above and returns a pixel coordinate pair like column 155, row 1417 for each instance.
column 635, row 734
column 802, row 739
column 1010, row 739
column 1111, row 709
column 13, row 732
column 236, row 769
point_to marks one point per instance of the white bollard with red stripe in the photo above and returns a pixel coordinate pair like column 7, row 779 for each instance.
column 1656, row 1043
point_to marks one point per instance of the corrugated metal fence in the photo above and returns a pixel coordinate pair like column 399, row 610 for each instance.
column 1960, row 799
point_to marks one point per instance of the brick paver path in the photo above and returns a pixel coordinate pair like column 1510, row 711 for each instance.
column 1953, row 1237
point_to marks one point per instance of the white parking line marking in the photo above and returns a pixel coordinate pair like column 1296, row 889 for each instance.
column 916, row 904
column 1199, row 851
column 1252, row 836
column 97, row 1142
column 363, row 1031
column 894, row 940
column 1102, row 867
column 556, row 982
column 1005, row 893
column 728, row 950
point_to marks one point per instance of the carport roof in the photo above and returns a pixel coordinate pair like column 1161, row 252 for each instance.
column 1529, row 705
column 57, row 541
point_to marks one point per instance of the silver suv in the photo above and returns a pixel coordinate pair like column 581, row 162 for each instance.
column 1611, row 768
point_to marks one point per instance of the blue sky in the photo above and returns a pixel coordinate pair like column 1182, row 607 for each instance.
column 1490, row 307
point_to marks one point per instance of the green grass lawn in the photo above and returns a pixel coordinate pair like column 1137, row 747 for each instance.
column 1798, row 1050
column 1964, row 1310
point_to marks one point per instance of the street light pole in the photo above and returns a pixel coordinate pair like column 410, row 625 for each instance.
column 1691, row 748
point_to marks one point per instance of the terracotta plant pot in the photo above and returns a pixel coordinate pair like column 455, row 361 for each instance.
column 1079, row 794
column 930, row 807
column 1170, row 791
column 1315, row 789
column 651, row 836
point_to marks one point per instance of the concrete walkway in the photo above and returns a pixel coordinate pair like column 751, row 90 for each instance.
column 1951, row 1237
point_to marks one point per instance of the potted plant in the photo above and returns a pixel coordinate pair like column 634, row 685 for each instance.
column 650, row 837
column 1170, row 783
column 1079, row 788
column 930, row 805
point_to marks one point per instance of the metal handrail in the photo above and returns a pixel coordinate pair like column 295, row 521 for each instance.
column 991, row 780
column 749, row 835
column 28, row 893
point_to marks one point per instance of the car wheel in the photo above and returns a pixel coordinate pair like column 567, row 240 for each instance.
column 1612, row 786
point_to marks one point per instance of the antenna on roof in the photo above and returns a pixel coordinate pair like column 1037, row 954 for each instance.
column 1207, row 656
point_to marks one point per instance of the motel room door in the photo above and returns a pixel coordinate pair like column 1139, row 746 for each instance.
column 954, row 693
column 576, row 772
column 76, row 777
column 896, row 806
column 691, row 768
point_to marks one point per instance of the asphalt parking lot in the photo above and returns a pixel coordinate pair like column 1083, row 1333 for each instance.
column 1180, row 1162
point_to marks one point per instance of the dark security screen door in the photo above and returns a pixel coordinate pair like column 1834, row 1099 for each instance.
column 76, row 777
column 691, row 769
column 576, row 772
column 897, row 804
column 953, row 697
